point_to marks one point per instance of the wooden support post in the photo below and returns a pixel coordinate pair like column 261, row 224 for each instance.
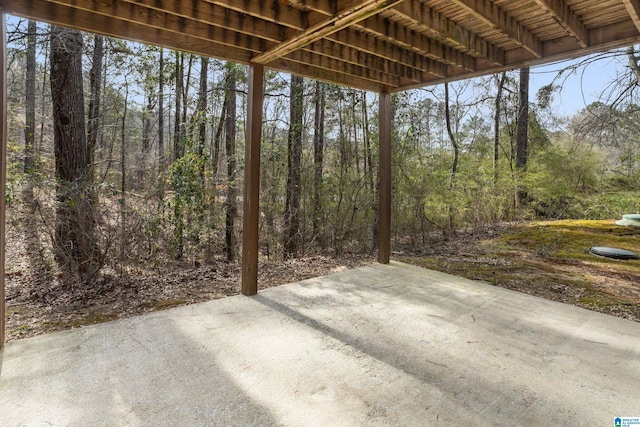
column 252, row 181
column 384, row 171
column 3, row 165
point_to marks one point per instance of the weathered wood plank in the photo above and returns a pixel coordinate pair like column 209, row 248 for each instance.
column 451, row 31
column 564, row 16
column 633, row 8
column 384, row 179
column 335, row 23
column 486, row 11
column 85, row 20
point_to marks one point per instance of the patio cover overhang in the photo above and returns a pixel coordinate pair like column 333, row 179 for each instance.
column 377, row 45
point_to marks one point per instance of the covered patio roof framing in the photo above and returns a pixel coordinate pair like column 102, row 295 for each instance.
column 383, row 46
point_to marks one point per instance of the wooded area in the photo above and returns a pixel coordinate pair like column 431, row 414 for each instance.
column 129, row 156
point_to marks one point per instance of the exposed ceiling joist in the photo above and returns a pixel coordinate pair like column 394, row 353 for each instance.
column 487, row 12
column 376, row 45
column 633, row 8
column 411, row 40
column 455, row 34
column 564, row 16
column 335, row 23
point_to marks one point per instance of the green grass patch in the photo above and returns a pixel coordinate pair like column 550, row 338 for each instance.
column 552, row 259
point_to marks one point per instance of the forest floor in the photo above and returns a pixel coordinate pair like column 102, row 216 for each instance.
column 546, row 259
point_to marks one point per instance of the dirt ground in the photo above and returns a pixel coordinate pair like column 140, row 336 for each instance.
column 548, row 260
column 37, row 302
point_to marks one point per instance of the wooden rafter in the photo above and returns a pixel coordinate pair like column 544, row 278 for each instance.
column 487, row 12
column 564, row 16
column 454, row 33
column 232, row 30
column 633, row 8
column 411, row 40
column 398, row 36
column 337, row 22
column 370, row 44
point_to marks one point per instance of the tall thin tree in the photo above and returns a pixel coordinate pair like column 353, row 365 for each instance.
column 496, row 125
column 202, row 113
column 30, row 113
column 230, row 149
column 318, row 158
column 522, row 135
column 161, row 156
column 294, row 156
column 456, row 152
column 95, row 86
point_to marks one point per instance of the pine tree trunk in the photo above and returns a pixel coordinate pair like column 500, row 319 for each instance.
column 523, row 120
column 318, row 158
column 178, row 153
column 76, row 247
column 496, row 127
column 230, row 149
column 178, row 147
column 215, row 158
column 202, row 113
column 161, row 159
column 30, row 114
column 522, row 136
column 95, row 85
column 292, row 207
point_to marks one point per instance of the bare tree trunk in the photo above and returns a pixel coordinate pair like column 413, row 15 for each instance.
column 318, row 158
column 355, row 132
column 178, row 153
column 633, row 63
column 523, row 120
column 95, row 84
column 230, row 148
column 523, row 126
column 202, row 113
column 368, row 169
column 76, row 247
column 30, row 114
column 496, row 127
column 456, row 151
column 123, row 177
column 215, row 158
column 178, row 135
column 292, row 207
column 161, row 159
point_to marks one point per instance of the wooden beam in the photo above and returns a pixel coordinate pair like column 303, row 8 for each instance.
column 564, row 16
column 354, row 39
column 633, row 9
column 399, row 36
column 487, row 12
column 414, row 41
column 58, row 14
column 335, row 23
column 445, row 28
column 373, row 45
column 384, row 179
column 3, row 168
column 251, row 208
column 613, row 36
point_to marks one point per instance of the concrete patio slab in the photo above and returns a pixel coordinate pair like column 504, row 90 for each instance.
column 377, row 345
